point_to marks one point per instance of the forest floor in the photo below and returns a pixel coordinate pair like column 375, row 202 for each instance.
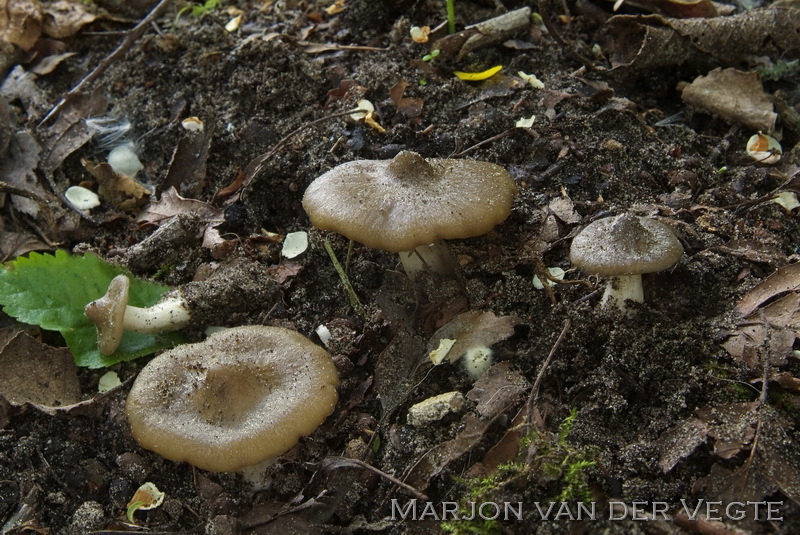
column 679, row 402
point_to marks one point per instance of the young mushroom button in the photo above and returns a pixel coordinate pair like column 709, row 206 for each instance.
column 623, row 248
column 243, row 396
column 409, row 204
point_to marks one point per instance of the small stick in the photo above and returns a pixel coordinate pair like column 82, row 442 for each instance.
column 98, row 71
column 534, row 396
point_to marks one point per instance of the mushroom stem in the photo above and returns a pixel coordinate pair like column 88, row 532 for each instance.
column 434, row 257
column 169, row 314
column 621, row 288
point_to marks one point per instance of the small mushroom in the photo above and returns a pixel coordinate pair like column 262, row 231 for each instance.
column 112, row 315
column 243, row 396
column 409, row 204
column 623, row 248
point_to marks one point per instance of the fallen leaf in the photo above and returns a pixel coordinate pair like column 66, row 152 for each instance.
column 172, row 203
column 18, row 169
column 14, row 244
column 680, row 441
column 497, row 389
column 187, row 168
column 33, row 372
column 780, row 324
column 733, row 95
column 21, row 22
column 65, row 19
column 473, row 329
column 122, row 191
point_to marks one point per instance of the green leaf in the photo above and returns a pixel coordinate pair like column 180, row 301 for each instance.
column 51, row 291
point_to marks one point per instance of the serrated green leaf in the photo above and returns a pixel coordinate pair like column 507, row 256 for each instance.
column 51, row 291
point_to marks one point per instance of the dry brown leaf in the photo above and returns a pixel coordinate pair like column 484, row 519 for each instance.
column 564, row 209
column 637, row 44
column 49, row 63
column 495, row 394
column 473, row 329
column 782, row 317
column 171, row 204
column 14, row 244
column 680, row 441
column 187, row 168
column 773, row 466
column 786, row 279
column 21, row 22
column 18, row 169
column 682, row 9
column 33, row 372
column 65, row 19
column 122, row 191
column 397, row 368
column 733, row 95
column 69, row 131
column 284, row 271
column 497, row 389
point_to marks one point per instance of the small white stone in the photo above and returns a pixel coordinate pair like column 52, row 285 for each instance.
column 82, row 198
column 123, row 160
column 192, row 124
column 435, row 408
column 437, row 355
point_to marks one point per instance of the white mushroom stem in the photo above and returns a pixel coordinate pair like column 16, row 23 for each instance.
column 619, row 289
column 434, row 257
column 169, row 314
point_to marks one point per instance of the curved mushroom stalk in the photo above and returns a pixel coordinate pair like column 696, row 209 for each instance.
column 169, row 314
column 619, row 289
column 433, row 257
column 112, row 315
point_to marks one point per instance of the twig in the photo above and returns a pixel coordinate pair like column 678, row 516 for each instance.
column 98, row 71
column 484, row 142
column 356, row 463
column 534, row 396
column 257, row 164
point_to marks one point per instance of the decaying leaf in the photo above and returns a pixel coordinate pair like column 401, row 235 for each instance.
column 64, row 19
column 171, row 204
column 733, row 95
column 14, row 244
column 495, row 392
column 187, row 169
column 682, row 9
column 18, row 169
column 33, row 372
column 473, row 329
column 122, row 191
column 637, row 44
column 564, row 209
column 777, row 321
column 773, row 466
column 408, row 106
column 485, row 33
column 21, row 22
column 396, row 371
column 680, row 441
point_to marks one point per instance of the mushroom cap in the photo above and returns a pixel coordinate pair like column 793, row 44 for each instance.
column 242, row 396
column 625, row 245
column 399, row 204
column 108, row 314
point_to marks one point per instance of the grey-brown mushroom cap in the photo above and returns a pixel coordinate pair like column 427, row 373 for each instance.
column 625, row 245
column 108, row 314
column 399, row 204
column 242, row 396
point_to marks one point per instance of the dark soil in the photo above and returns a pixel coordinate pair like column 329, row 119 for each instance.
column 630, row 378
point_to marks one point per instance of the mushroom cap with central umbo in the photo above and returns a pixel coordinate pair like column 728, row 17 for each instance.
column 241, row 397
column 625, row 245
column 399, row 204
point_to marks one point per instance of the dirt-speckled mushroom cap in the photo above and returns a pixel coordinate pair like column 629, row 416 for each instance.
column 399, row 204
column 242, row 396
column 625, row 245
column 108, row 314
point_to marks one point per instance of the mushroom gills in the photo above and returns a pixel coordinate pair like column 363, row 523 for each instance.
column 434, row 257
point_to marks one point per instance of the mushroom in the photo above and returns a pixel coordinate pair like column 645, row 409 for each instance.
column 623, row 248
column 408, row 205
column 112, row 315
column 243, row 396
